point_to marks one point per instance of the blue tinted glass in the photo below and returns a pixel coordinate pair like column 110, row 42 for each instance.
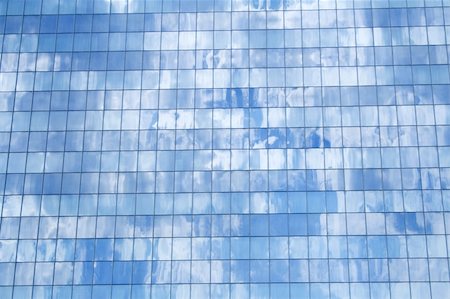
column 226, row 149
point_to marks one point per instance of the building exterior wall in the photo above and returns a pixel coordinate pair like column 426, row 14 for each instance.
column 224, row 149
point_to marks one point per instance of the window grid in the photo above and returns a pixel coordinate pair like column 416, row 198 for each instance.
column 332, row 159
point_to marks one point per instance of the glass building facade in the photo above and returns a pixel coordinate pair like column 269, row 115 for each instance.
column 224, row 149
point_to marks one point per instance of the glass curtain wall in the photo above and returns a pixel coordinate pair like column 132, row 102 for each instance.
column 224, row 149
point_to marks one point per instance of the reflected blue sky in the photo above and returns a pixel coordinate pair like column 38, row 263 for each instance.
column 224, row 149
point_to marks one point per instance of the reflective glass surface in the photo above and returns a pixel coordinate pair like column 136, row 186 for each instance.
column 224, row 149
